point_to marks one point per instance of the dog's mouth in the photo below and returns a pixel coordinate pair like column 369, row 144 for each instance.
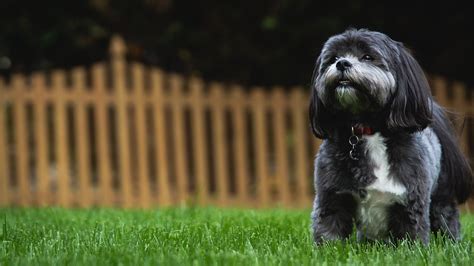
column 345, row 83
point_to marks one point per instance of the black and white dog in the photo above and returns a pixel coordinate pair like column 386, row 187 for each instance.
column 389, row 162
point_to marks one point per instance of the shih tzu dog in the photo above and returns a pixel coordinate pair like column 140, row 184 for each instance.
column 389, row 163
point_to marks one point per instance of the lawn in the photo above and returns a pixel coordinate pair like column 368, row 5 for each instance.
column 207, row 236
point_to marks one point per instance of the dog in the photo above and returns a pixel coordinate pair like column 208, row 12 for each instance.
column 389, row 164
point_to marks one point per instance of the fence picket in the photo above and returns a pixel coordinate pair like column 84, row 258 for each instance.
column 82, row 142
column 102, row 133
column 21, row 151
column 117, row 52
column 260, row 147
column 161, row 166
column 459, row 101
column 4, row 178
column 280, row 139
column 439, row 89
column 41, row 139
column 218, row 128
column 240, row 144
column 199, row 140
column 314, row 148
column 181, row 170
column 141, row 135
column 300, row 138
column 61, row 137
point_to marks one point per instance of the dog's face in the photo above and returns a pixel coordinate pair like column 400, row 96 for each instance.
column 355, row 72
column 361, row 73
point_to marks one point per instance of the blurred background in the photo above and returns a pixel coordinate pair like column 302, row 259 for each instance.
column 248, row 42
column 157, row 102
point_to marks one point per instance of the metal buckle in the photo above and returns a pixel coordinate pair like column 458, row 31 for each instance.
column 353, row 141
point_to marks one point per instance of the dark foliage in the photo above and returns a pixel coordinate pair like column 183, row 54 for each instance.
column 250, row 42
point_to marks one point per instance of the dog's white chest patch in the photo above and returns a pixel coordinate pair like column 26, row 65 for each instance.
column 377, row 153
column 382, row 193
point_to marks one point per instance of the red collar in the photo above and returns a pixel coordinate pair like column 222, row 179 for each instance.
column 363, row 130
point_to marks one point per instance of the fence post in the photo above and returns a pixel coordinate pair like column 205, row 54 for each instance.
column 260, row 147
column 218, row 128
column 41, row 140
column 82, row 141
column 240, row 143
column 102, row 133
column 21, row 151
column 162, row 171
column 281, row 149
column 117, row 53
column 4, row 179
column 141, row 136
column 199, row 139
column 180, row 159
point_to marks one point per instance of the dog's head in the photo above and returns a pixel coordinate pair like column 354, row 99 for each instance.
column 361, row 74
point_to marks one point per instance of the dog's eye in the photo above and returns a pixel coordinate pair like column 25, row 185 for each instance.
column 367, row 58
column 334, row 58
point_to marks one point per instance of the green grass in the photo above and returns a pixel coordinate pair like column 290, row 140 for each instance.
column 209, row 236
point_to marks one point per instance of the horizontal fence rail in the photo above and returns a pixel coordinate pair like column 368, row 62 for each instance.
column 128, row 135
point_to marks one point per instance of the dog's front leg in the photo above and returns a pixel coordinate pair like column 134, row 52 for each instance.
column 411, row 220
column 333, row 215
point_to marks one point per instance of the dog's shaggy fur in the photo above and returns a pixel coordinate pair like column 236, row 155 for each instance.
column 407, row 174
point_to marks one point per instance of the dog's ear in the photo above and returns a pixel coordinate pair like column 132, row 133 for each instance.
column 318, row 114
column 411, row 107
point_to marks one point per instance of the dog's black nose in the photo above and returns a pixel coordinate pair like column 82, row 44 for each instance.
column 343, row 64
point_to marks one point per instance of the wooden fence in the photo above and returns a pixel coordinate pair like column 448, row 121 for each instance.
column 129, row 135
